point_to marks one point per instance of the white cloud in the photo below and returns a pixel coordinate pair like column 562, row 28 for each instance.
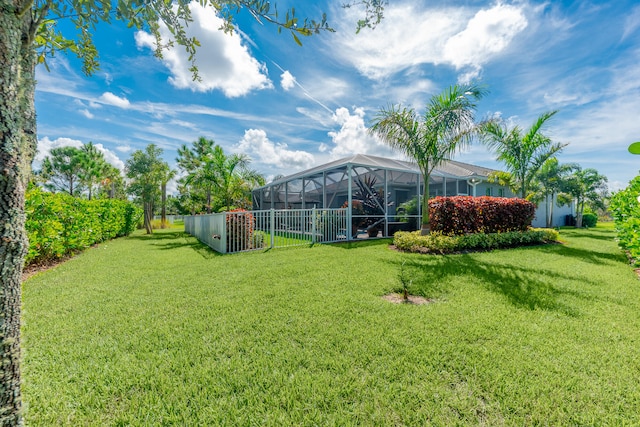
column 488, row 33
column 124, row 148
column 223, row 61
column 256, row 145
column 353, row 137
column 45, row 145
column 412, row 34
column 287, row 80
column 111, row 99
column 86, row 113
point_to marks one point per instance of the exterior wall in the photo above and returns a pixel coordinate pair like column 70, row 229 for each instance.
column 559, row 215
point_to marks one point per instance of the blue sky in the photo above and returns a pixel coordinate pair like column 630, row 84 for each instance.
column 291, row 107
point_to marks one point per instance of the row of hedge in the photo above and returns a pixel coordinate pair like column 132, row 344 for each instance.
column 467, row 214
column 59, row 225
column 625, row 210
column 440, row 243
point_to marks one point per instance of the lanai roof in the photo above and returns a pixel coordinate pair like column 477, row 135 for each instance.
column 448, row 169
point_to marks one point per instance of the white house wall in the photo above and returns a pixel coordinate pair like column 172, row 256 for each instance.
column 559, row 215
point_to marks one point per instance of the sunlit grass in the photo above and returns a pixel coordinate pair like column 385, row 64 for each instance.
column 159, row 330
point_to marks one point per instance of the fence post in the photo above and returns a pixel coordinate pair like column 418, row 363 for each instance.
column 313, row 225
column 223, row 233
column 272, row 227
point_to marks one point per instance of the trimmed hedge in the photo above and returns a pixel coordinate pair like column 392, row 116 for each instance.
column 59, row 225
column 460, row 215
column 440, row 243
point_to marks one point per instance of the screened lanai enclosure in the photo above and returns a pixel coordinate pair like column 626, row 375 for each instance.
column 381, row 194
column 353, row 198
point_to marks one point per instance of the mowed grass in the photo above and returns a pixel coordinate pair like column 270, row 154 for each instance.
column 160, row 330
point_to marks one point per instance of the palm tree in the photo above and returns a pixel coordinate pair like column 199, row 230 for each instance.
column 523, row 153
column 447, row 125
column 228, row 177
column 585, row 185
column 550, row 179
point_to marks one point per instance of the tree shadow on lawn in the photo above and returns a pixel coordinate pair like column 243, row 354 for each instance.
column 590, row 233
column 594, row 257
column 354, row 244
column 176, row 240
column 523, row 287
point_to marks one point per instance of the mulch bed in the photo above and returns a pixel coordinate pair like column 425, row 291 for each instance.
column 412, row 299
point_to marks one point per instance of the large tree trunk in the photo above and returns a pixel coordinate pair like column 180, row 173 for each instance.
column 17, row 148
column 148, row 216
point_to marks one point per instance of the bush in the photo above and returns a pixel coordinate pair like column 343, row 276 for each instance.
column 625, row 210
column 467, row 215
column 589, row 220
column 436, row 242
column 239, row 230
column 59, row 225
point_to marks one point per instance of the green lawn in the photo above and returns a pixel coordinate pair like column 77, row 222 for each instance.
column 161, row 331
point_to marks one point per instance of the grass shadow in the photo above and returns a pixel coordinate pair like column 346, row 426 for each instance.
column 591, row 256
column 177, row 239
column 354, row 244
column 522, row 287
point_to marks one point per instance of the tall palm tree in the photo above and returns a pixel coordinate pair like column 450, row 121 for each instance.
column 446, row 126
column 550, row 179
column 585, row 185
column 523, row 153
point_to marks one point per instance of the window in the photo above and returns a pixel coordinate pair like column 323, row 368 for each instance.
column 500, row 192
column 488, row 192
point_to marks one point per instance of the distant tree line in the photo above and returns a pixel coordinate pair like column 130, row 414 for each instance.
column 210, row 180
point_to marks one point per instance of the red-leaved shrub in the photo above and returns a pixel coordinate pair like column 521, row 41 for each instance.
column 239, row 230
column 466, row 214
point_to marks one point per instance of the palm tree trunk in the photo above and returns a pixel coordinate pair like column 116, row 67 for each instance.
column 425, row 227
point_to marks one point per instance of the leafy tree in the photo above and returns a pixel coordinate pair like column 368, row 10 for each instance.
column 112, row 184
column 93, row 167
column 523, row 153
column 167, row 174
column 199, row 171
column 62, row 170
column 146, row 171
column 447, row 125
column 550, row 180
column 28, row 36
column 585, row 186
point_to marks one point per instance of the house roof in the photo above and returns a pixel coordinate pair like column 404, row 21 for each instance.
column 448, row 169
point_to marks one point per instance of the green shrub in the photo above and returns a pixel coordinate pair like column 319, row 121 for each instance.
column 258, row 239
column 58, row 224
column 625, row 209
column 589, row 220
column 437, row 242
column 466, row 214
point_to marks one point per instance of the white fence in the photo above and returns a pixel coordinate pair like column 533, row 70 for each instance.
column 230, row 232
